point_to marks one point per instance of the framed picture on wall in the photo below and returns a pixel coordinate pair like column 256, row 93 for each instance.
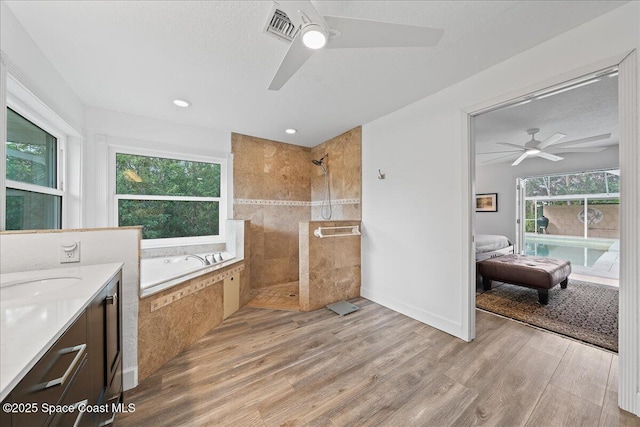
column 487, row 202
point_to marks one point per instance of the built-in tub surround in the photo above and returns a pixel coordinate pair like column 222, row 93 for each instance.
column 329, row 267
column 171, row 266
column 172, row 319
column 175, row 318
column 158, row 274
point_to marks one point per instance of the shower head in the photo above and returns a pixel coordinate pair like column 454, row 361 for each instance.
column 320, row 161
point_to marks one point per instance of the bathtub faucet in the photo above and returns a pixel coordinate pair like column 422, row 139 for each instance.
column 205, row 261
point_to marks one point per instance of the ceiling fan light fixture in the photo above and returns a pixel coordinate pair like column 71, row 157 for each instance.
column 314, row 36
column 532, row 151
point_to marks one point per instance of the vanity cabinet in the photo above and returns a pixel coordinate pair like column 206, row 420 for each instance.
column 59, row 374
column 105, row 336
column 82, row 368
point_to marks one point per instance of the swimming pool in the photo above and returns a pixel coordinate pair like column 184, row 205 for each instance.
column 593, row 256
column 585, row 257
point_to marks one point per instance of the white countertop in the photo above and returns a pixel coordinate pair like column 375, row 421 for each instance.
column 34, row 315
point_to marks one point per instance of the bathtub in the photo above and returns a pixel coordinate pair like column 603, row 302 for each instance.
column 157, row 274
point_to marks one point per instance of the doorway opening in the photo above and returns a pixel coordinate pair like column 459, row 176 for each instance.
column 562, row 148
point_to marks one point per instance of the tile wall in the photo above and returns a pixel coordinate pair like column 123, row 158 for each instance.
column 276, row 187
column 344, row 162
column 272, row 189
column 329, row 267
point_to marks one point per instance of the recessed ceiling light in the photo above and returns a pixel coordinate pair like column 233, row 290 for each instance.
column 182, row 103
column 291, row 131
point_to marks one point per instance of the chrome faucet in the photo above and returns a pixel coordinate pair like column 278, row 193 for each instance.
column 204, row 260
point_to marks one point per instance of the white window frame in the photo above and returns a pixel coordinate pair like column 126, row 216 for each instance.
column 29, row 114
column 174, row 241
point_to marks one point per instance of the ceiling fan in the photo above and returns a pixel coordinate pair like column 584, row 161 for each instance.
column 316, row 32
column 547, row 148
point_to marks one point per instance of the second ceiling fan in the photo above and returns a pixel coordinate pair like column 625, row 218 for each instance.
column 547, row 148
column 315, row 32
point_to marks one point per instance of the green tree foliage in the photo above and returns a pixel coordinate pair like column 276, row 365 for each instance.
column 30, row 158
column 156, row 176
column 578, row 183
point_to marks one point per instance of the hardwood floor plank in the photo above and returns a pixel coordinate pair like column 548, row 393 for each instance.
column 584, row 372
column 509, row 398
column 481, row 360
column 375, row 367
column 559, row 408
column 549, row 343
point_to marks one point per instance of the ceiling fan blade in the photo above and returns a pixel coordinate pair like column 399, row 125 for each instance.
column 299, row 12
column 365, row 33
column 578, row 150
column 551, row 140
column 520, row 147
column 499, row 152
column 292, row 61
column 548, row 156
column 520, row 159
column 583, row 140
column 497, row 159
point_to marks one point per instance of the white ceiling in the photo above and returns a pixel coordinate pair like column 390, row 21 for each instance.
column 137, row 56
column 578, row 113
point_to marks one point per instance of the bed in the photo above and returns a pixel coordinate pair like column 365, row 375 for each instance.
column 491, row 246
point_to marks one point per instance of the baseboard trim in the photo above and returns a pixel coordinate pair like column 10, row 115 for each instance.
column 416, row 313
column 130, row 378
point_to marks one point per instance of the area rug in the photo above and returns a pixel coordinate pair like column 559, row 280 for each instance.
column 585, row 311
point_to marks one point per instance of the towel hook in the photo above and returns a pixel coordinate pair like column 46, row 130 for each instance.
column 381, row 175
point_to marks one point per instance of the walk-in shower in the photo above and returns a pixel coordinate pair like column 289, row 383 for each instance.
column 325, row 211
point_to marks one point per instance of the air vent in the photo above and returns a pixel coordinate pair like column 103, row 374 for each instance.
column 279, row 25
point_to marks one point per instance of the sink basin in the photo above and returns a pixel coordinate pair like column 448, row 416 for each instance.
column 31, row 288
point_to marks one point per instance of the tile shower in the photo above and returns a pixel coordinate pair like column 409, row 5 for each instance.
column 277, row 187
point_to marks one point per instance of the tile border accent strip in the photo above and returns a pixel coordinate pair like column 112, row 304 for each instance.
column 197, row 285
column 338, row 202
column 293, row 202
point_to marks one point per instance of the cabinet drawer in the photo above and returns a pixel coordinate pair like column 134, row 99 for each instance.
column 76, row 394
column 50, row 377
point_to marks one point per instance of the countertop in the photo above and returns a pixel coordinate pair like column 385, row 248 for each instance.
column 33, row 317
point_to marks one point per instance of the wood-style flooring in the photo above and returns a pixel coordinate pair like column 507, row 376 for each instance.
column 376, row 367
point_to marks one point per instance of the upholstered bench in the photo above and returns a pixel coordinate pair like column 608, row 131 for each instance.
column 534, row 272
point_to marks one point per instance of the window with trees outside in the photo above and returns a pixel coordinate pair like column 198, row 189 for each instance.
column 172, row 199
column 34, row 192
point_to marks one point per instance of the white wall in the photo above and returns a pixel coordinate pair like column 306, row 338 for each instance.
column 105, row 127
column 413, row 252
column 35, row 71
column 501, row 177
column 29, row 251
column 36, row 89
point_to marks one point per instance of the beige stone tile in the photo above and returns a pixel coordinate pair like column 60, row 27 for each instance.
column 275, row 271
column 276, row 245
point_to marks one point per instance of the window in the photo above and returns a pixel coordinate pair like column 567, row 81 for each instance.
column 34, row 193
column 176, row 200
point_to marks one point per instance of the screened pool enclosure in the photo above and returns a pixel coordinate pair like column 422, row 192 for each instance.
column 574, row 216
